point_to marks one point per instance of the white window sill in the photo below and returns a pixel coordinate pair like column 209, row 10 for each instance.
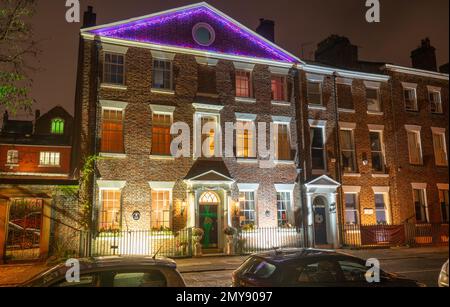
column 380, row 175
column 49, row 166
column 162, row 91
column 317, row 107
column 352, row 175
column 281, row 103
column 113, row 86
column 375, row 113
column 159, row 157
column 284, row 162
column 12, row 165
column 112, row 155
column 346, row 110
column 245, row 99
column 247, row 160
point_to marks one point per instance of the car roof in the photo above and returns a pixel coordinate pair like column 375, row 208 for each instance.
column 298, row 254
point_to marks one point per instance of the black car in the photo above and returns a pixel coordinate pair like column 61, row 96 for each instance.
column 310, row 268
column 114, row 272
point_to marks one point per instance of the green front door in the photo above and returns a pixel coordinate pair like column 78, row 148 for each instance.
column 209, row 223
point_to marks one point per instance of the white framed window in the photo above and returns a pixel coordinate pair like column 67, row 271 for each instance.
column 279, row 87
column 283, row 208
column 162, row 74
column 314, row 92
column 207, row 131
column 12, row 157
column 373, row 99
column 282, row 138
column 50, row 159
column 244, row 84
column 420, row 204
column 410, row 96
column 414, row 145
column 351, row 200
column 440, row 146
column 348, row 150
column 318, row 143
column 435, row 99
column 111, row 207
column 345, row 94
column 247, row 204
column 377, row 151
column 114, row 68
column 161, row 210
column 245, row 138
column 382, row 209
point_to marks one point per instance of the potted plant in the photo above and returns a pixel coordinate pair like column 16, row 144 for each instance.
column 197, row 236
column 230, row 232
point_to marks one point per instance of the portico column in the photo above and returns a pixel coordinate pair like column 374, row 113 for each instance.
column 334, row 220
column 229, row 209
column 191, row 209
column 310, row 220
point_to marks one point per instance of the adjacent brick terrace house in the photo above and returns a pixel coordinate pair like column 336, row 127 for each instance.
column 34, row 161
column 354, row 145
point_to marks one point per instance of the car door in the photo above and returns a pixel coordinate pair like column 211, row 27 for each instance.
column 314, row 273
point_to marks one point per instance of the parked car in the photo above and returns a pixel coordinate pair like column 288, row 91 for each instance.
column 114, row 272
column 443, row 277
column 310, row 268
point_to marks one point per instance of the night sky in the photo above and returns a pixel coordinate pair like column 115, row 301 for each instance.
column 302, row 22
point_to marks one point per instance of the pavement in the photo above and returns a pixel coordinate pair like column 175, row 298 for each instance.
column 422, row 264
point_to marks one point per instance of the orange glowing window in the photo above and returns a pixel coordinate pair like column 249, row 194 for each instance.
column 112, row 131
column 161, row 137
column 160, row 216
column 109, row 216
column 279, row 88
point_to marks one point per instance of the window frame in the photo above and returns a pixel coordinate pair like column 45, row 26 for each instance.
column 349, row 84
column 439, row 103
column 324, row 145
column 439, row 132
column 277, row 140
column 444, row 202
column 14, row 160
column 320, row 93
column 382, row 151
column 288, row 203
column 356, row 209
column 387, row 208
column 166, row 114
column 424, row 209
column 416, row 104
column 170, row 209
column 57, row 158
column 100, row 221
column 250, row 83
column 171, row 72
column 418, row 138
column 242, row 202
column 60, row 125
column 251, row 138
column 378, row 100
column 111, row 53
column 102, row 130
column 353, row 150
column 284, row 85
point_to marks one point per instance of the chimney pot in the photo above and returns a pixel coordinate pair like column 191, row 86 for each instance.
column 89, row 18
column 424, row 57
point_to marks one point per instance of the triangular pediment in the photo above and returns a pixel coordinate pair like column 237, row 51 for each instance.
column 323, row 181
column 209, row 171
column 175, row 28
column 211, row 176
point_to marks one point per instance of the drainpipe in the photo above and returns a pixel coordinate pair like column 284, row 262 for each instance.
column 397, row 166
column 339, row 204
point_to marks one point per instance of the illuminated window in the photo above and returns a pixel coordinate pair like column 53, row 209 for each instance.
column 112, row 131
column 351, row 209
column 440, row 148
column 161, row 204
column 414, row 147
column 114, row 69
column 279, row 88
column 382, row 208
column 246, row 139
column 410, row 99
column 283, row 205
column 283, row 142
column 314, row 89
column 420, row 205
column 57, row 126
column 162, row 75
column 12, row 157
column 209, row 198
column 435, row 101
column 243, row 84
column 49, row 159
column 348, row 152
column 209, row 135
column 318, row 148
column 109, row 215
column 161, row 137
column 443, row 200
column 248, row 208
column 373, row 99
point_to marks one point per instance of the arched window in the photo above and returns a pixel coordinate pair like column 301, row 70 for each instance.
column 57, row 126
column 209, row 198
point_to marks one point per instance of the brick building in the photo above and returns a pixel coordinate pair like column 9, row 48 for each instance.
column 34, row 161
column 347, row 145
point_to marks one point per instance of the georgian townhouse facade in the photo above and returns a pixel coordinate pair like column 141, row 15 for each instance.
column 196, row 66
column 34, row 164
column 351, row 148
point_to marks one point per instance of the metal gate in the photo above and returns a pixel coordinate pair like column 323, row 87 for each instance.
column 24, row 229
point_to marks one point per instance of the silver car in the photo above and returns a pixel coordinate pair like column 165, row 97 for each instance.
column 443, row 277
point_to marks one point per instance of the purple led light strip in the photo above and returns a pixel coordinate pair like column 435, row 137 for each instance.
column 118, row 31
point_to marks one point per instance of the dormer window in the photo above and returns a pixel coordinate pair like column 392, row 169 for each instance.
column 57, row 126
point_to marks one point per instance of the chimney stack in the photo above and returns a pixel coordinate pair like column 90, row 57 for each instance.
column 90, row 18
column 424, row 57
column 266, row 29
column 337, row 51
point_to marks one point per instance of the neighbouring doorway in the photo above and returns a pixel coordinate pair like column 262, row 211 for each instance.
column 320, row 221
